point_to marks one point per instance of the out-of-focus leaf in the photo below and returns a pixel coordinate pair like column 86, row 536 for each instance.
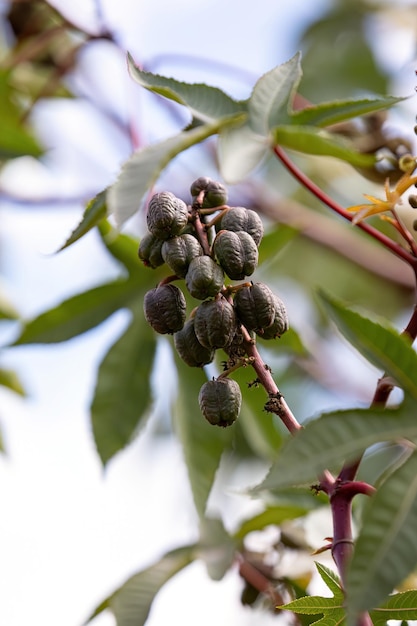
column 400, row 606
column 328, row 113
column 122, row 393
column 240, row 151
column 380, row 343
column 386, row 548
column 271, row 96
column 272, row 516
column 15, row 139
column 274, row 242
column 9, row 379
column 79, row 313
column 289, row 342
column 95, row 212
column 205, row 103
column 122, row 247
column 202, row 443
column 132, row 602
column 319, row 142
column 216, row 547
column 327, row 441
column 7, row 310
column 143, row 168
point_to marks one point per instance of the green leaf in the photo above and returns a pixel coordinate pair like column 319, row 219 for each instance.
column 10, row 379
column 380, row 343
column 289, row 342
column 122, row 247
column 272, row 516
column 272, row 94
column 143, row 168
column 122, row 393
column 274, row 242
column 206, row 103
column 240, row 151
column 332, row 609
column 319, row 142
column 338, row 111
column 7, row 310
column 79, row 313
column 326, row 442
column 132, row 602
column 202, row 443
column 216, row 547
column 400, row 606
column 95, row 212
column 386, row 548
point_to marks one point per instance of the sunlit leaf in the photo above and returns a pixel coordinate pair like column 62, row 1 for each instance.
column 202, row 443
column 386, row 548
column 400, row 606
column 240, row 151
column 132, row 602
column 143, row 168
column 380, row 343
column 327, row 441
column 328, row 113
column 122, row 393
column 9, row 379
column 204, row 102
column 7, row 310
column 79, row 313
column 319, row 142
column 95, row 212
column 271, row 97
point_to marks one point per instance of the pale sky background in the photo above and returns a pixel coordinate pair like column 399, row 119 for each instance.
column 71, row 533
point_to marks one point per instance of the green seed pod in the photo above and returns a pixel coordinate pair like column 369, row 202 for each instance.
column 167, row 215
column 215, row 323
column 220, row 401
column 204, row 277
column 255, row 306
column 164, row 308
column 237, row 253
column 215, row 193
column 150, row 251
column 280, row 323
column 239, row 218
column 190, row 349
column 178, row 253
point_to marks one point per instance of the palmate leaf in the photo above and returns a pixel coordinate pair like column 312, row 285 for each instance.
column 132, row 602
column 328, row 113
column 143, row 168
column 215, row 547
column 10, row 380
column 123, row 249
column 319, row 142
column 271, row 516
column 380, row 343
column 95, row 212
column 206, row 103
column 326, row 442
column 122, row 393
column 386, row 548
column 203, row 444
column 240, row 151
column 400, row 606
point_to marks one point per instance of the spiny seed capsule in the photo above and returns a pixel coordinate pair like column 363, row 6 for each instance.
column 255, row 307
column 237, row 253
column 220, row 401
column 215, row 193
column 204, row 277
column 239, row 218
column 178, row 253
column 280, row 323
column 190, row 349
column 150, row 251
column 164, row 308
column 167, row 215
column 215, row 323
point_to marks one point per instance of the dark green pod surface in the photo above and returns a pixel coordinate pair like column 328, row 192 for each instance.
column 255, row 307
column 215, row 323
column 220, row 401
column 190, row 349
column 204, row 277
column 150, row 251
column 280, row 323
column 165, row 308
column 239, row 218
column 237, row 253
column 215, row 193
column 167, row 215
column 178, row 253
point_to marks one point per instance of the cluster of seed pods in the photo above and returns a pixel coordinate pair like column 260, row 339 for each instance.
column 208, row 244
